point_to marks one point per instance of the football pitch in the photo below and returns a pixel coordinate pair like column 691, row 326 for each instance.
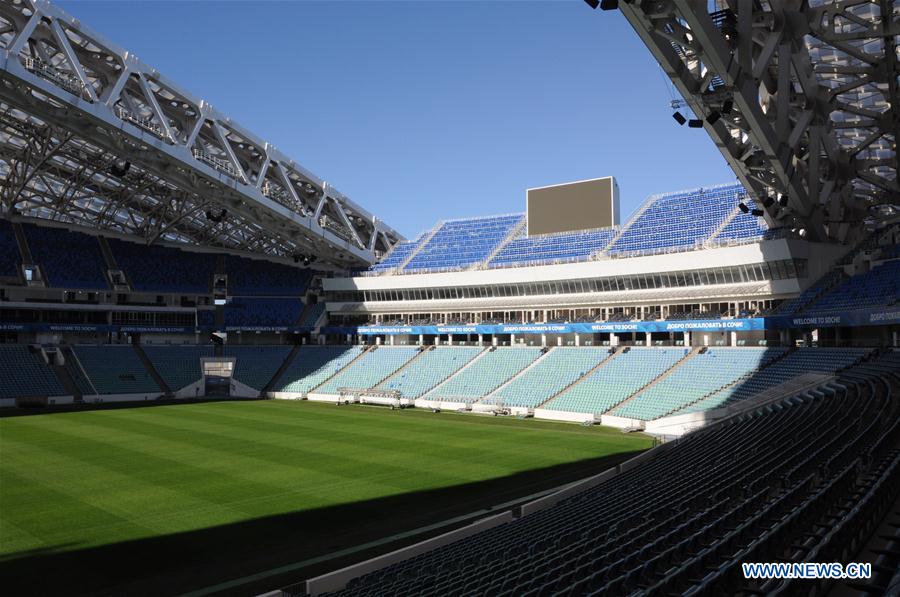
column 205, row 492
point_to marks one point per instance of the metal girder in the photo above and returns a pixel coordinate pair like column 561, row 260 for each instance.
column 60, row 79
column 800, row 97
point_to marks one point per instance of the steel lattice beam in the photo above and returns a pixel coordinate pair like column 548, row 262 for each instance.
column 800, row 97
column 65, row 82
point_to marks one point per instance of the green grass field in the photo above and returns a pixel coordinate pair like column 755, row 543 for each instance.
column 106, row 481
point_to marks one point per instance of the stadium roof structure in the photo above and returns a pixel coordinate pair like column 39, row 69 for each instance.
column 800, row 96
column 91, row 135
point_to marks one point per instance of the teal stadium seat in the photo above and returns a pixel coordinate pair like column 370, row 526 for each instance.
column 485, row 375
column 370, row 369
column 430, row 369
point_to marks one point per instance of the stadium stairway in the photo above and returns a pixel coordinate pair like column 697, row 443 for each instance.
column 598, row 366
column 447, row 379
column 656, row 380
column 710, row 240
column 422, row 244
column 342, row 369
column 736, row 382
column 148, row 365
column 514, row 233
column 22, row 241
column 68, row 382
column 485, row 399
column 281, row 369
column 403, row 368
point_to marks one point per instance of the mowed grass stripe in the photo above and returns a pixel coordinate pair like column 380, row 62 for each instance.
column 69, row 480
column 338, row 460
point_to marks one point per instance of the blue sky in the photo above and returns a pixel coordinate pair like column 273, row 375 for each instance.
column 423, row 110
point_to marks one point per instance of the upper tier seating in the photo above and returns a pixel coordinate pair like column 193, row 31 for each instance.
column 69, row 259
column 783, row 479
column 678, row 220
column 370, row 369
column 695, row 378
column 880, row 286
column 398, row 254
column 744, row 226
column 156, row 268
column 485, row 375
column 553, row 372
column 179, row 366
column 256, row 277
column 23, row 374
column 9, row 251
column 112, row 369
column 617, row 379
column 803, row 360
column 461, row 243
column 312, row 365
column 262, row 312
column 552, row 248
column 430, row 369
column 255, row 366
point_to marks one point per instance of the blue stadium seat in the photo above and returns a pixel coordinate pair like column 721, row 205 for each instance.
column 552, row 248
column 256, row 365
column 256, row 277
column 179, row 366
column 262, row 312
column 24, row 374
column 679, row 220
column 112, row 369
column 462, row 243
column 69, row 259
column 158, row 268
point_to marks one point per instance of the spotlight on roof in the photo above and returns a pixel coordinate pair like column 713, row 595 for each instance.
column 757, row 212
column 713, row 117
column 120, row 171
column 695, row 123
column 679, row 118
column 306, row 261
column 593, row 3
column 743, row 207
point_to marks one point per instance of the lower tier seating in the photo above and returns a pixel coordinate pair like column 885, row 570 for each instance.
column 111, row 369
column 255, row 366
column 312, row 365
column 619, row 378
column 797, row 480
column 179, row 366
column 485, row 375
column 695, row 378
column 803, row 360
column 430, row 369
column 370, row 369
column 24, row 374
column 553, row 372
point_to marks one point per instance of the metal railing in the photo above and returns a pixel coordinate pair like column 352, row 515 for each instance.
column 59, row 77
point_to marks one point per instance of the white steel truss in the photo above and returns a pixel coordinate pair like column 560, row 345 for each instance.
column 800, row 96
column 91, row 135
